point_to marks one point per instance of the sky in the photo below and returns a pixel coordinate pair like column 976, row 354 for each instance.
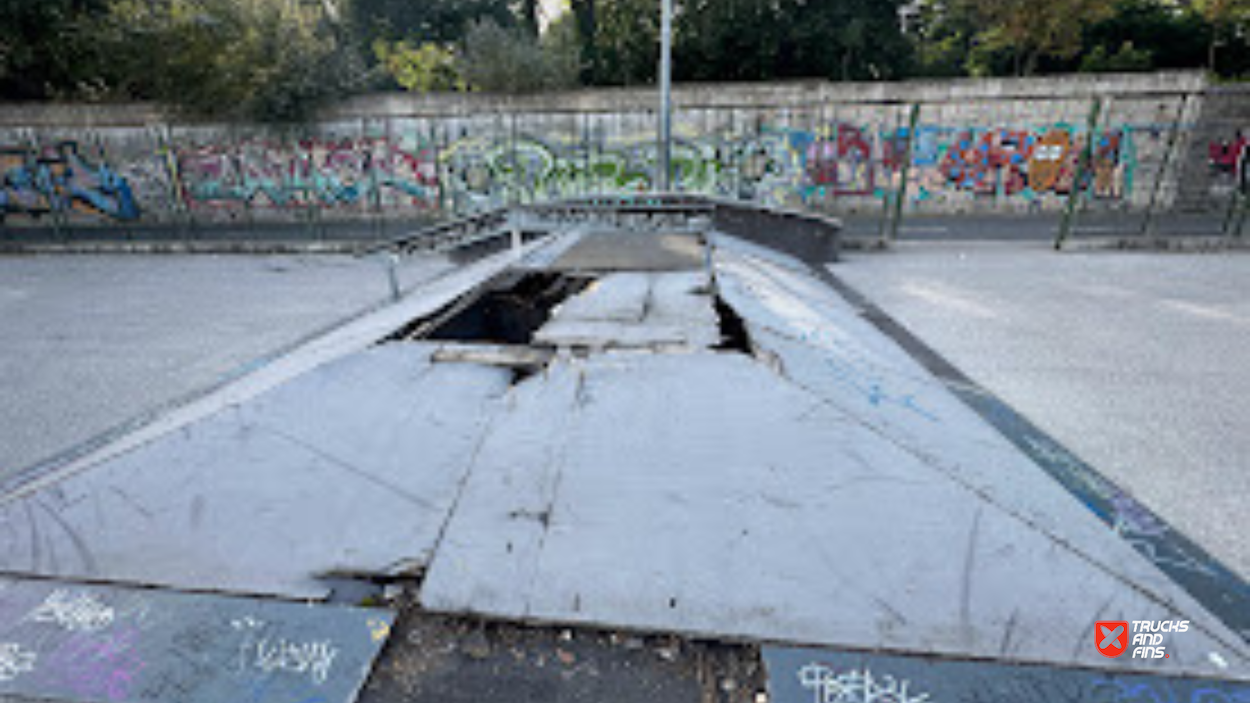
column 552, row 9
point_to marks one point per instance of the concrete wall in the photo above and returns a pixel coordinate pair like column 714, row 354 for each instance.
column 981, row 146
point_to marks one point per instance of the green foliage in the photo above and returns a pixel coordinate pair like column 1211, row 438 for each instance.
column 1228, row 48
column 1021, row 37
column 1128, row 58
column 1031, row 30
column 47, row 49
column 562, row 44
column 1173, row 38
column 266, row 60
column 278, row 60
column 510, row 60
column 425, row 68
column 943, row 36
column 627, row 42
column 744, row 40
column 849, row 40
column 586, row 19
column 419, row 21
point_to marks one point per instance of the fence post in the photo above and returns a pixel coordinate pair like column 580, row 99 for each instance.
column 1148, row 223
column 1078, row 181
column 901, row 196
column 392, row 274
column 1238, row 212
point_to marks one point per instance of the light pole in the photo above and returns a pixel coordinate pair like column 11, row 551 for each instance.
column 666, row 95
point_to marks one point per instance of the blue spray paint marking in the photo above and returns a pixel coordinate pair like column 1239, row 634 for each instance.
column 58, row 180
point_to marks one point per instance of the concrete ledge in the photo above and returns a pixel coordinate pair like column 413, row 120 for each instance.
column 1180, row 245
column 1191, row 245
column 170, row 247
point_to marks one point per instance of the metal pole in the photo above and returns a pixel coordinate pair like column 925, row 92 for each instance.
column 1148, row 223
column 392, row 274
column 1243, row 209
column 1078, row 181
column 666, row 95
column 900, row 197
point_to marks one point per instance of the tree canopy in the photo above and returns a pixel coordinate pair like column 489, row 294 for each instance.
column 277, row 60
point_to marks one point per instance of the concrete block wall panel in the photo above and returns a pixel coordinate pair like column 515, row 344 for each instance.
column 1215, row 158
column 984, row 146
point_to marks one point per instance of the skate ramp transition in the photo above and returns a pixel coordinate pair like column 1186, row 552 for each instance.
column 627, row 416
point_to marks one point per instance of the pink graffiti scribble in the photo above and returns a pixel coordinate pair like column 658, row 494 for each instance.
column 93, row 667
column 843, row 165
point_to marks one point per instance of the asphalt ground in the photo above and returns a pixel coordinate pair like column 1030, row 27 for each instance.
column 89, row 342
column 1134, row 361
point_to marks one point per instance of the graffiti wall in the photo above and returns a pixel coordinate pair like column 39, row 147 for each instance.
column 40, row 181
column 1229, row 159
column 995, row 154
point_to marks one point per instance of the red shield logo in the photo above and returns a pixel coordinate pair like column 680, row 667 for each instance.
column 1111, row 637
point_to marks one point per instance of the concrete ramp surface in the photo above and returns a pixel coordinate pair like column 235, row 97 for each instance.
column 823, row 490
column 717, row 445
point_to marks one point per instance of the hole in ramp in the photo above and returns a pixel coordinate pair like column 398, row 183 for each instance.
column 733, row 330
column 446, row 658
column 507, row 311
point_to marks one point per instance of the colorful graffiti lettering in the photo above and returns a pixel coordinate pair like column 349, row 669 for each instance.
column 59, row 179
column 1228, row 155
column 436, row 166
column 323, row 173
column 1230, row 161
column 1111, row 175
column 996, row 162
column 1052, row 165
column 843, row 166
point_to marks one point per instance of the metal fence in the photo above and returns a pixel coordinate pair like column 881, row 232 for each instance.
column 1139, row 166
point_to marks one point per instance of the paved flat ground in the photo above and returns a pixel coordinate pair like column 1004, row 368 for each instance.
column 88, row 342
column 1137, row 362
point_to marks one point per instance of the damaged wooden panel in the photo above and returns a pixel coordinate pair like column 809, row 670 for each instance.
column 351, row 468
column 643, row 310
column 506, row 356
column 86, row 643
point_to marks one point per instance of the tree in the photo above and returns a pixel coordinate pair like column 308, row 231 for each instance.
column 943, row 34
column 527, row 13
column 439, row 21
column 1127, row 58
column 267, row 60
column 627, row 43
column 1030, row 30
column 770, row 39
column 1173, row 37
column 1228, row 22
column 423, row 68
column 868, row 42
column 510, row 60
column 588, row 30
column 47, row 49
